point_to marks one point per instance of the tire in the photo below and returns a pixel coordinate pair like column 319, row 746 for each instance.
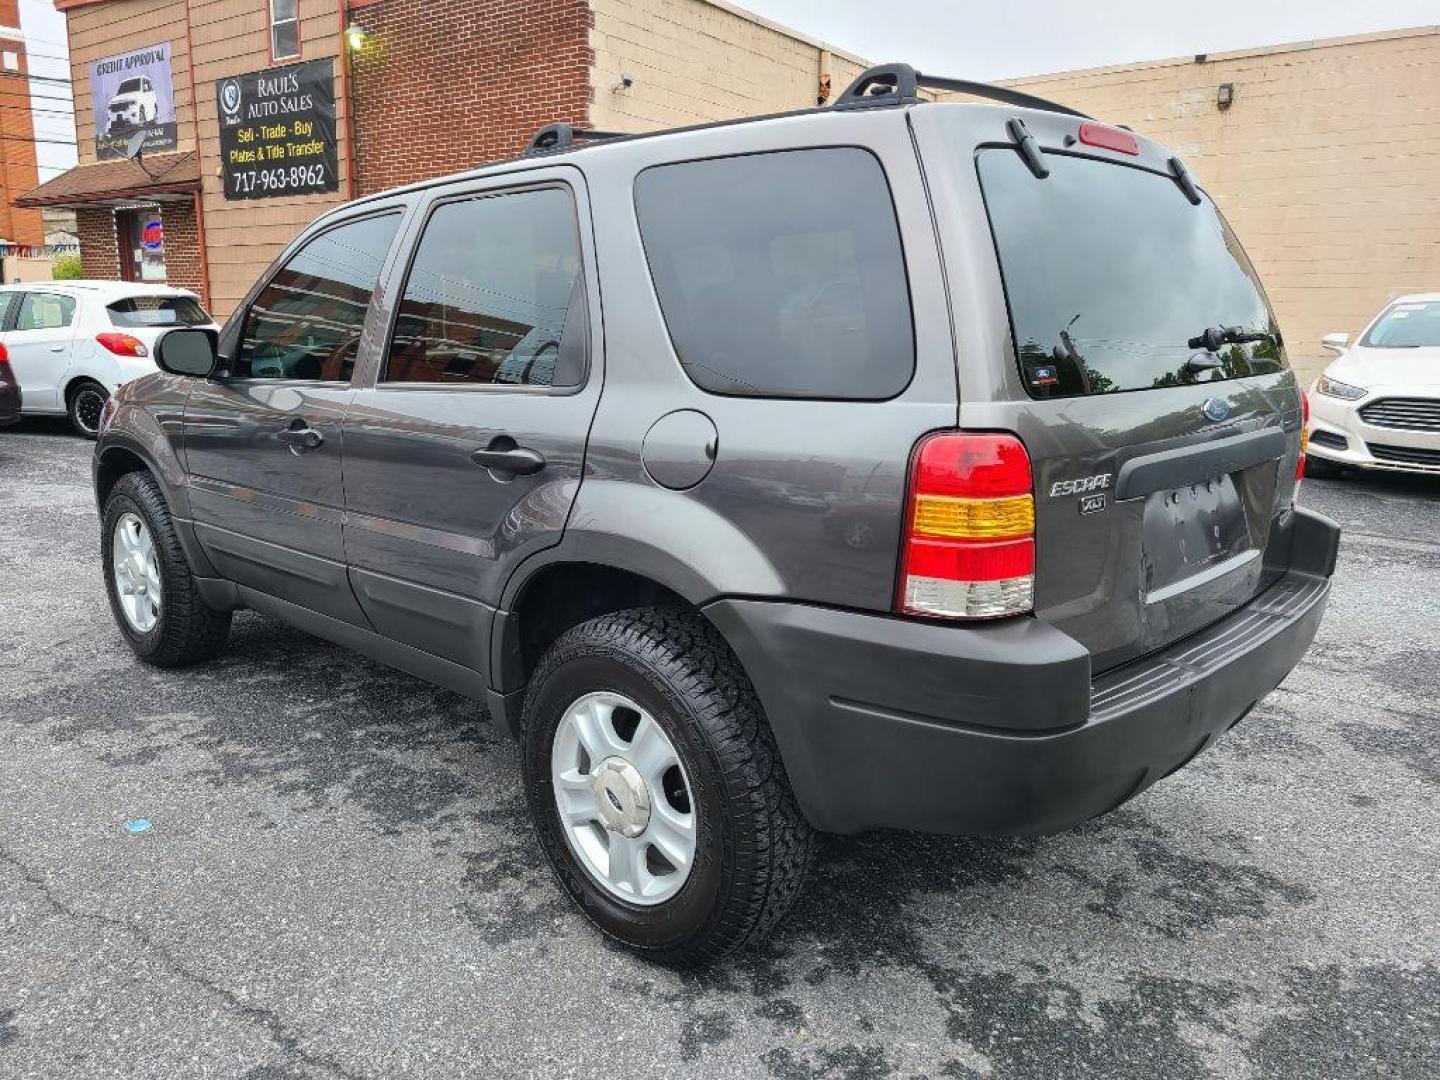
column 83, row 404
column 187, row 630
column 1317, row 468
column 752, row 846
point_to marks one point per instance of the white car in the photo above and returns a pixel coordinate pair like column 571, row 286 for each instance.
column 134, row 105
column 1378, row 405
column 71, row 344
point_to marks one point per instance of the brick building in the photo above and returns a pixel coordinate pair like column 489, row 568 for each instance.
column 18, row 225
column 419, row 90
column 1323, row 154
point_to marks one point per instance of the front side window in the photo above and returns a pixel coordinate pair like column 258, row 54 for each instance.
column 306, row 322
column 781, row 275
column 284, row 29
column 45, row 311
column 1410, row 324
column 494, row 295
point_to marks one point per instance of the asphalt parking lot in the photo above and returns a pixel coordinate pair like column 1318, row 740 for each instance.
column 339, row 880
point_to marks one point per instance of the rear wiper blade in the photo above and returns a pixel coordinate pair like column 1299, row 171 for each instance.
column 1213, row 337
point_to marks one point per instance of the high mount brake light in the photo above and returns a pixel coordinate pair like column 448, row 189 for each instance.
column 1108, row 138
column 969, row 546
column 123, row 344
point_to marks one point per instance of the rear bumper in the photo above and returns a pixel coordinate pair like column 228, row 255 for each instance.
column 998, row 729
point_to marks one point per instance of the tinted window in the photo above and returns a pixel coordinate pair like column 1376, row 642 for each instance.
column 306, row 322
column 45, row 311
column 1408, row 325
column 157, row 311
column 493, row 295
column 131, row 86
column 1113, row 277
column 781, row 275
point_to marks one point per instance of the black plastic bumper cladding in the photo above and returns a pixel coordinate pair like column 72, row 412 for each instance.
column 989, row 729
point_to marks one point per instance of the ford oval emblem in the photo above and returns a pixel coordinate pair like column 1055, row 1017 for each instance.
column 1216, row 409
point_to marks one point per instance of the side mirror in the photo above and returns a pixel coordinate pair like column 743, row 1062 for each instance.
column 1335, row 342
column 187, row 351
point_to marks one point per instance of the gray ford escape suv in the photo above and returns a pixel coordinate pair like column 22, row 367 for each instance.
column 897, row 464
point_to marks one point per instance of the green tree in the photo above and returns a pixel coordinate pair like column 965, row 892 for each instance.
column 66, row 268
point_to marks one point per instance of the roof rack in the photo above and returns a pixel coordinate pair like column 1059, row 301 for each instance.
column 900, row 84
column 553, row 138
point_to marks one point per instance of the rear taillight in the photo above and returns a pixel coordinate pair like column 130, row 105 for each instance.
column 969, row 546
column 123, row 344
column 1304, row 439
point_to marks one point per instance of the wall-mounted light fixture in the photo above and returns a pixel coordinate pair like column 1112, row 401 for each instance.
column 356, row 37
column 1225, row 96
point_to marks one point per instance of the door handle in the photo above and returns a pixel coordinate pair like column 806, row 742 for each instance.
column 57, row 348
column 300, row 436
column 502, row 455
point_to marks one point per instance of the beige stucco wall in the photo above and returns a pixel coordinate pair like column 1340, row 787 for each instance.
column 699, row 60
column 1327, row 164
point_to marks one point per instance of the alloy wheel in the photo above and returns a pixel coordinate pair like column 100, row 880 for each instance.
column 624, row 800
column 136, row 569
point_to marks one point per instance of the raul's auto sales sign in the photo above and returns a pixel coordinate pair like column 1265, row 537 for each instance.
column 277, row 131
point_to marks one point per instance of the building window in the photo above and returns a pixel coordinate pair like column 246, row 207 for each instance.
column 284, row 30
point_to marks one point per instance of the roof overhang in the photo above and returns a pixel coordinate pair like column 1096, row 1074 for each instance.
column 121, row 182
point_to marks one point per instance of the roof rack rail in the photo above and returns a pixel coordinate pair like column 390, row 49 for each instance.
column 900, row 84
column 553, row 138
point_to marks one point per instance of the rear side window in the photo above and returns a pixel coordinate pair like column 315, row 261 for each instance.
column 781, row 275
column 494, row 295
column 1114, row 277
column 157, row 311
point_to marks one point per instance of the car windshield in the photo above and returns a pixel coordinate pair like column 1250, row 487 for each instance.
column 157, row 311
column 1409, row 324
column 1116, row 282
column 130, row 86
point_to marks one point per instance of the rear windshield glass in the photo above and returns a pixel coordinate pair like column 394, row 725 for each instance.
column 1408, row 325
column 1114, row 279
column 781, row 275
column 157, row 311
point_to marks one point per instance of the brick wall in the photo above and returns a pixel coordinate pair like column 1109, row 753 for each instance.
column 182, row 247
column 492, row 72
column 1326, row 164
column 694, row 61
column 99, row 249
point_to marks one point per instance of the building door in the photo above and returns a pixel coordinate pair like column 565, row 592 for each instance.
column 141, row 234
column 465, row 456
column 262, row 437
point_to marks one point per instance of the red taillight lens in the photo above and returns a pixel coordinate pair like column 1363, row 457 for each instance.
column 969, row 547
column 1304, row 439
column 4, row 354
column 1108, row 138
column 123, row 344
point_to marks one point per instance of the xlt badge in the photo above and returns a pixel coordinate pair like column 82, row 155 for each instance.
column 1084, row 484
column 1092, row 504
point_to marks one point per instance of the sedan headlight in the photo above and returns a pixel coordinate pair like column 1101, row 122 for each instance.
column 1336, row 389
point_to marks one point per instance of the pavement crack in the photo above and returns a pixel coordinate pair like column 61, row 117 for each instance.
column 282, row 1034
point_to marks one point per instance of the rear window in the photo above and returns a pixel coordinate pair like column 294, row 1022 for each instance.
column 157, row 311
column 1113, row 278
column 781, row 275
column 1408, row 325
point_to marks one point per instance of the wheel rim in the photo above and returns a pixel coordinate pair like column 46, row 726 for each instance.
column 89, row 404
column 624, row 800
column 136, row 571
